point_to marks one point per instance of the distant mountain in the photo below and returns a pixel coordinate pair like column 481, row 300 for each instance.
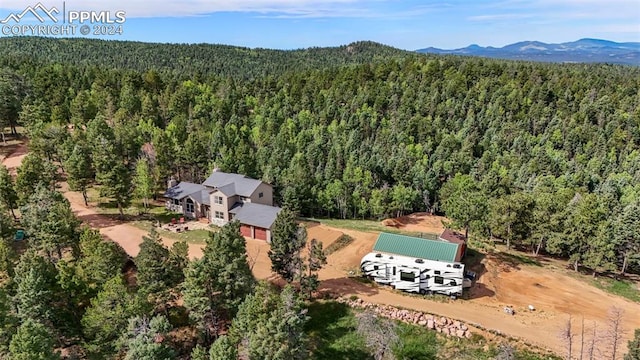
column 582, row 51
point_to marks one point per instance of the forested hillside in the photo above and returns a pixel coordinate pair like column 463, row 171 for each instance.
column 188, row 60
column 543, row 156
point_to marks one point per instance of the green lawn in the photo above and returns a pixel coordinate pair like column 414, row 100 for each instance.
column 367, row 226
column 197, row 236
column 146, row 220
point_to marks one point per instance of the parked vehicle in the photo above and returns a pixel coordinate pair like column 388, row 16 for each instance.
column 415, row 274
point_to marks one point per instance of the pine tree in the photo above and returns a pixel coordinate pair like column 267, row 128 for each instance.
column 287, row 241
column 633, row 347
column 36, row 288
column 155, row 270
column 99, row 259
column 108, row 314
column 8, row 320
column 626, row 228
column 145, row 339
column 463, row 202
column 112, row 173
column 315, row 260
column 49, row 221
column 33, row 341
column 216, row 285
column 33, row 172
column 223, row 349
column 8, row 196
column 79, row 171
column 270, row 325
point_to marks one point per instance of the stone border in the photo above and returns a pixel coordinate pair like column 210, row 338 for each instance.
column 440, row 324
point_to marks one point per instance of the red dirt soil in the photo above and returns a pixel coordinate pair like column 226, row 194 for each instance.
column 13, row 160
column 553, row 293
column 417, row 222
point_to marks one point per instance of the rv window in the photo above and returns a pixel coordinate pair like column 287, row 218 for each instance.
column 394, row 270
column 453, row 283
column 407, row 276
column 375, row 267
column 437, row 272
column 439, row 280
column 420, row 261
column 457, row 266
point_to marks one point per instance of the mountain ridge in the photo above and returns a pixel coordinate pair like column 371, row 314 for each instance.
column 586, row 50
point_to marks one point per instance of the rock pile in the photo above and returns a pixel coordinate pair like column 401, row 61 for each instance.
column 440, row 324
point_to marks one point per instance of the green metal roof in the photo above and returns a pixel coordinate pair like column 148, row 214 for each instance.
column 416, row 247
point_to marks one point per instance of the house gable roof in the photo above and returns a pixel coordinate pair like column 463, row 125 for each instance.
column 183, row 190
column 416, row 247
column 255, row 214
column 242, row 185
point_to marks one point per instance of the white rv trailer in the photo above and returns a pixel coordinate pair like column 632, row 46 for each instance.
column 414, row 274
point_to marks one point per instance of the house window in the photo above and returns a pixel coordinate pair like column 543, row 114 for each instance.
column 217, row 200
column 438, row 280
column 407, row 276
column 176, row 202
column 219, row 215
column 190, row 206
column 260, row 195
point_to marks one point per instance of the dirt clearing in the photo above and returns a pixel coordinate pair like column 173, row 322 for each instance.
column 417, row 222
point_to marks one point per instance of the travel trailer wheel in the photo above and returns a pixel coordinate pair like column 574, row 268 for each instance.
column 454, row 296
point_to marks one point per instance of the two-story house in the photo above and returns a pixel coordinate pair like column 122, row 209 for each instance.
column 224, row 197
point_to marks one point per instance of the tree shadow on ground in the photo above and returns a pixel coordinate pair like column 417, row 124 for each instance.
column 346, row 286
column 332, row 332
column 101, row 221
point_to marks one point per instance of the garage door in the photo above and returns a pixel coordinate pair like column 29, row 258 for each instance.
column 261, row 233
column 245, row 230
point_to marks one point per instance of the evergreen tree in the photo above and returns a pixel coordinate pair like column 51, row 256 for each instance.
column 464, row 203
column 271, row 326
column 8, row 196
column 36, row 288
column 625, row 234
column 315, row 260
column 287, row 241
column 223, row 349
column 146, row 339
column 8, row 320
column 633, row 347
column 155, row 270
column 34, row 172
column 79, row 171
column 107, row 315
column 216, row 285
column 33, row 341
column 49, row 221
column 99, row 259
column 510, row 217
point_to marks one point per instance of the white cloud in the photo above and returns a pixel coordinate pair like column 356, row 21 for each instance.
column 181, row 8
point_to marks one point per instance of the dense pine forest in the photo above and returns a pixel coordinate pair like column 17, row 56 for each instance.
column 545, row 157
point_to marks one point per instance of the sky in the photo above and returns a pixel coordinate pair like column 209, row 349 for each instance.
column 292, row 24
